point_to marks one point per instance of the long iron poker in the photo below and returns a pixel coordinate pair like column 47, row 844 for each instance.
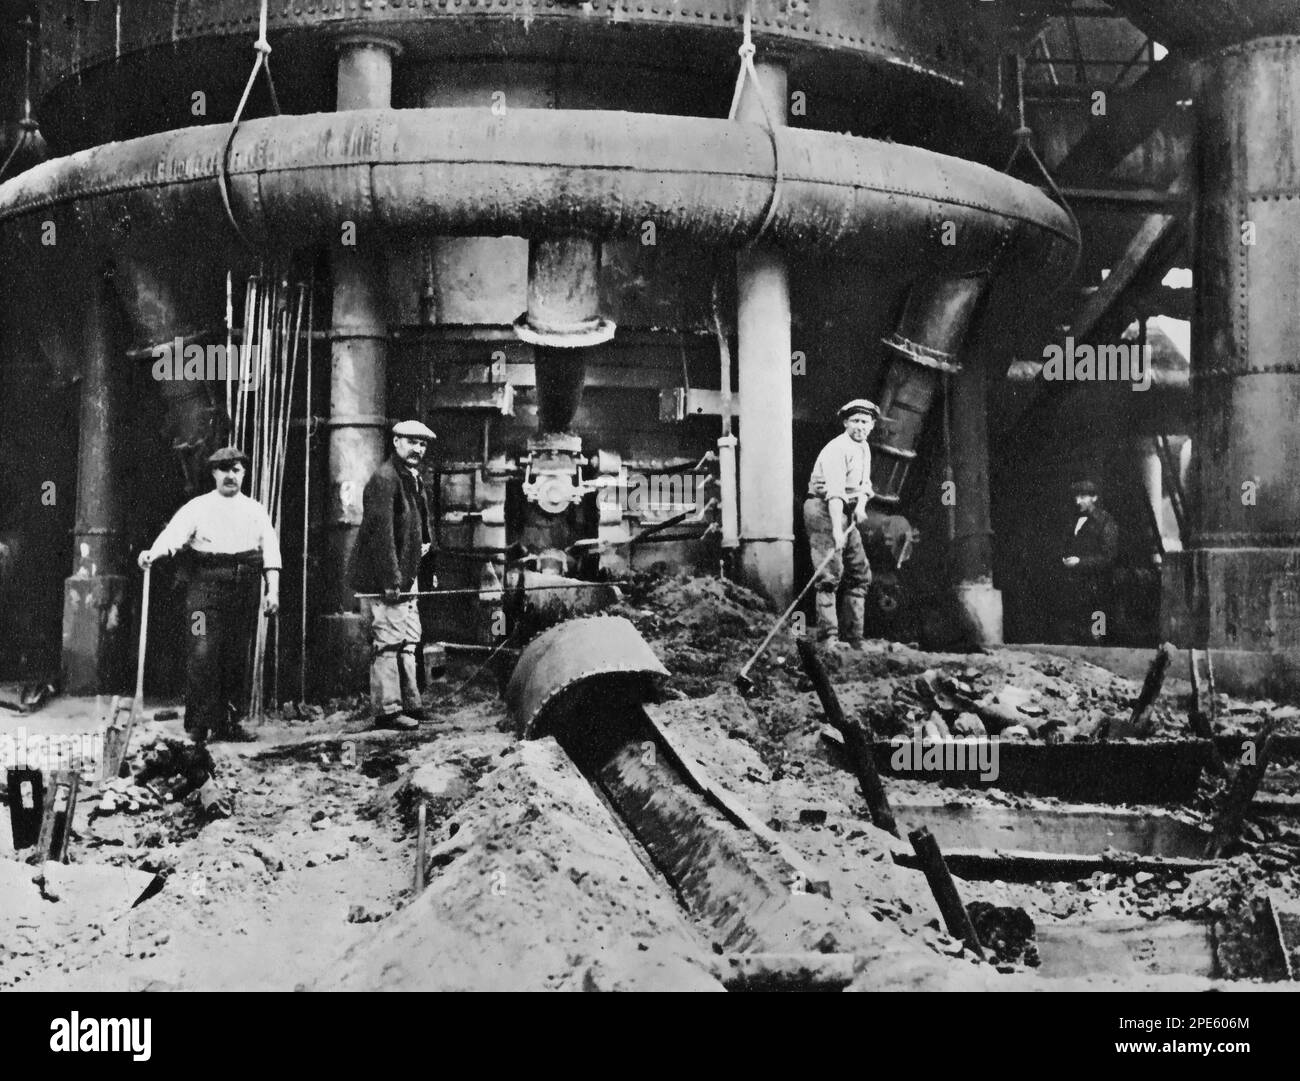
column 492, row 589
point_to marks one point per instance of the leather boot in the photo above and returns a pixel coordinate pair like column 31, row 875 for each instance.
column 828, row 619
column 857, row 611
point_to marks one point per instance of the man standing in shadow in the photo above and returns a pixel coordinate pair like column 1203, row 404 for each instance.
column 1088, row 558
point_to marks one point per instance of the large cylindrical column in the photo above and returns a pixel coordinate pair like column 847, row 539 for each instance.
column 358, row 411
column 96, row 612
column 1238, row 586
column 766, row 398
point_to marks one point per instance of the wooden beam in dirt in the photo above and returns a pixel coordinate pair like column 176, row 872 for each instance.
column 954, row 913
column 857, row 742
column 1231, row 817
column 1140, row 718
column 1198, row 716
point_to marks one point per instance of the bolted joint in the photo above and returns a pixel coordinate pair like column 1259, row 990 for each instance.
column 564, row 295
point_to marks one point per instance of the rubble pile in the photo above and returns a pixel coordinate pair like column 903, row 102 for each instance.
column 701, row 628
column 530, row 882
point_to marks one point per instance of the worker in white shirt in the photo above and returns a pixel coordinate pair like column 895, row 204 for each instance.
column 838, row 493
column 228, row 545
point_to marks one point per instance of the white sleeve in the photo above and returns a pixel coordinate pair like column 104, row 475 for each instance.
column 177, row 534
column 270, row 542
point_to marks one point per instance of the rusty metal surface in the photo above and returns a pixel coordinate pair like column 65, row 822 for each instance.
column 1197, row 27
column 1238, row 597
column 572, row 654
column 1249, row 322
column 926, row 342
column 296, row 179
column 932, row 37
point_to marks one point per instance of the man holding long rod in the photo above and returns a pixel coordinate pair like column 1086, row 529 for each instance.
column 230, row 545
column 396, row 534
column 838, row 493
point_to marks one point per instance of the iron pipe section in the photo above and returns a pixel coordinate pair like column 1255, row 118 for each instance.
column 925, row 349
column 564, row 295
column 922, row 349
column 295, row 180
column 562, row 321
column 96, row 595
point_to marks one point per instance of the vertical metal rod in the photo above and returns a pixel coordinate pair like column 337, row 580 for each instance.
column 306, row 500
column 419, row 847
column 230, row 327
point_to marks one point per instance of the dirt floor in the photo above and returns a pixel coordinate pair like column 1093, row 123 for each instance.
column 532, row 882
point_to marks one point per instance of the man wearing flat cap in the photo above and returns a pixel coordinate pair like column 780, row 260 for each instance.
column 838, row 493
column 229, row 547
column 1088, row 558
column 396, row 535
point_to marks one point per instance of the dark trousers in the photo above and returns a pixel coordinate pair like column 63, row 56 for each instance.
column 221, row 621
column 849, row 568
column 1085, row 596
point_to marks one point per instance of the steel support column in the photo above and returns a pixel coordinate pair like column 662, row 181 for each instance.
column 96, row 612
column 358, row 384
column 766, row 397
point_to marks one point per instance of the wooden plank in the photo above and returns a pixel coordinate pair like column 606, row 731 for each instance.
column 954, row 913
column 1134, row 771
column 1017, row 865
column 857, row 743
column 1237, row 799
column 1151, row 687
column 56, row 822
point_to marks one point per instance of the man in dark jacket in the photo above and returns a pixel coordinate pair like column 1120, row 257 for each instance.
column 1089, row 558
column 396, row 534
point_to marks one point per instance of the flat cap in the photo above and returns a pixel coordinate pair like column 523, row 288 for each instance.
column 859, row 405
column 1083, row 487
column 413, row 429
column 227, row 454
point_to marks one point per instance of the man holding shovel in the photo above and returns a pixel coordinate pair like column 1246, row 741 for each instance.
column 396, row 534
column 229, row 546
column 838, row 492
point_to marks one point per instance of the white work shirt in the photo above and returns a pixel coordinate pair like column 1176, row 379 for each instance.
column 221, row 524
column 843, row 470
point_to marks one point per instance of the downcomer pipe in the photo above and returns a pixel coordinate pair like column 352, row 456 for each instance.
column 923, row 348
